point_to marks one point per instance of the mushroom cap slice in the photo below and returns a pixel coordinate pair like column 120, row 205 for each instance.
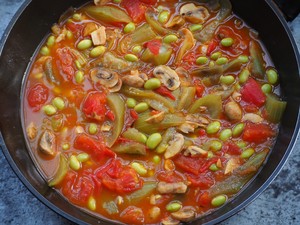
column 193, row 13
column 117, row 87
column 175, row 146
column 185, row 214
column 105, row 77
column 133, row 81
column 167, row 76
column 47, row 143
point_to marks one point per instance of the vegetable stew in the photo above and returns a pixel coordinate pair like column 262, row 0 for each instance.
column 149, row 111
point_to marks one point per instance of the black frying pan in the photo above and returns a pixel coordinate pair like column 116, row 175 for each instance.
column 33, row 22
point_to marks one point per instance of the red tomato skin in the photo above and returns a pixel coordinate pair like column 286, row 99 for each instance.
column 135, row 9
column 134, row 114
column 170, row 176
column 154, row 46
column 37, row 96
column 94, row 106
column 231, row 148
column 211, row 47
column 252, row 93
column 162, row 90
column 65, row 62
column 203, row 181
column 133, row 215
column 204, row 199
column 257, row 133
column 149, row 2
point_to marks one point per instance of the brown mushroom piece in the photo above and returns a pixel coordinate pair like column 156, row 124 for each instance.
column 31, row 131
column 195, row 151
column 233, row 111
column 171, row 188
column 170, row 221
column 167, row 76
column 105, row 77
column 157, row 118
column 133, row 81
column 193, row 13
column 176, row 21
column 175, row 146
column 117, row 87
column 252, row 117
column 185, row 214
column 47, row 143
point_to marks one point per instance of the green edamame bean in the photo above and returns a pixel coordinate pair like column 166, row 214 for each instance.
column 137, row 49
column 92, row 203
column 213, row 167
column 49, row 110
column 141, row 107
column 241, row 144
column 152, row 83
column 45, row 51
column 215, row 145
column 51, row 41
column 173, row 206
column 238, row 129
column 225, row 134
column 139, row 168
column 213, row 127
column 131, row 102
column 97, row 51
column 130, row 27
column 243, row 76
column 227, row 80
column 83, row 157
column 69, row 35
column 156, row 159
column 201, row 60
column 272, row 76
column 84, row 44
column 266, row 88
column 117, row 1
column 76, row 17
column 66, row 146
column 210, row 154
column 247, row 153
column 59, row 103
column 170, row 38
column 93, row 129
column 163, row 16
column 227, row 42
column 216, row 55
column 131, row 58
column 78, row 65
column 153, row 140
column 218, row 200
column 243, row 58
column 74, row 163
column 195, row 27
column 222, row 61
column 79, row 77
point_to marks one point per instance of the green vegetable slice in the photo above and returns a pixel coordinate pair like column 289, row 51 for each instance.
column 131, row 147
column 140, row 195
column 275, row 108
column 186, row 97
column 61, row 172
column 213, row 104
column 257, row 68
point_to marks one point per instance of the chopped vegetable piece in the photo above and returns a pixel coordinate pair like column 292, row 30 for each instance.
column 252, row 93
column 274, row 108
column 257, row 133
column 61, row 171
column 213, row 104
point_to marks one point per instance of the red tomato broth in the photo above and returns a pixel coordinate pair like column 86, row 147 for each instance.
column 107, row 176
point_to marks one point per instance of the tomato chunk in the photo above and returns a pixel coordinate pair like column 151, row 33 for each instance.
column 252, row 93
column 154, row 46
column 135, row 8
column 170, row 176
column 94, row 106
column 66, row 62
column 165, row 92
column 37, row 96
column 231, row 148
column 133, row 215
column 203, row 181
column 257, row 133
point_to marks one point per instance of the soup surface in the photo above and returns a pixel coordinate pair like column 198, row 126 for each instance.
column 149, row 111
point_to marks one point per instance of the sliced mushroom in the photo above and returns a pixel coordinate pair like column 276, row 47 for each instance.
column 31, row 131
column 186, row 128
column 184, row 76
column 133, row 81
column 233, row 111
column 197, row 120
column 167, row 76
column 176, row 21
column 154, row 212
column 193, row 13
column 186, row 45
column 154, row 199
column 117, row 87
column 252, row 117
column 106, row 126
column 237, row 96
column 195, row 151
column 231, row 165
column 157, row 118
column 171, row 188
column 170, row 221
column 99, row 36
column 185, row 214
column 105, row 77
column 174, row 146
column 47, row 143
column 79, row 130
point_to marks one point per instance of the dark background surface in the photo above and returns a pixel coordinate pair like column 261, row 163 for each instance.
column 279, row 204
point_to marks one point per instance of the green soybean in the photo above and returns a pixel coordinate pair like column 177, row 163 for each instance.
column 79, row 77
column 97, row 51
column 222, row 60
column 195, row 27
column 213, row 167
column 216, row 55
column 83, row 157
column 243, row 76
column 84, row 44
column 59, row 103
column 139, row 168
column 92, row 203
column 152, row 83
column 69, row 34
column 49, row 110
column 93, row 129
column 243, row 58
column 247, row 153
column 45, row 51
column 131, row 58
column 131, row 102
column 241, row 144
column 170, row 38
column 238, row 129
column 77, row 17
column 225, row 134
column 213, row 127
column 227, row 42
column 137, row 49
column 66, row 146
column 210, row 154
column 141, row 107
column 266, row 88
column 173, row 206
column 163, row 16
column 117, row 1
column 272, row 76
column 153, row 140
column 201, row 60
column 74, row 163
column 218, row 200
column 156, row 159
column 51, row 41
column 215, row 145
column 130, row 27
column 227, row 80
